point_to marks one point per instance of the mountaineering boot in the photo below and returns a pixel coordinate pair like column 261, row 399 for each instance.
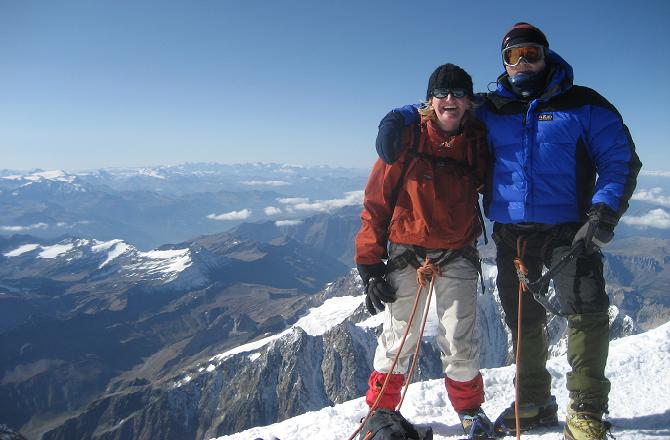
column 476, row 424
column 585, row 423
column 530, row 416
column 537, row 407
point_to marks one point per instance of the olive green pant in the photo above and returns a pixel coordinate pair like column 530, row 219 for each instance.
column 581, row 288
column 534, row 379
column 588, row 345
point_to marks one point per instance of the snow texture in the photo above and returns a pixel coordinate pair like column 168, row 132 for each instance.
column 317, row 321
column 639, row 405
column 22, row 250
column 54, row 175
column 55, row 250
column 165, row 265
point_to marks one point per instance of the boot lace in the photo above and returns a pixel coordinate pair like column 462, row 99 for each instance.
column 594, row 427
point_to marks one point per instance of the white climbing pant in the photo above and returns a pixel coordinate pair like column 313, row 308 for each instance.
column 455, row 294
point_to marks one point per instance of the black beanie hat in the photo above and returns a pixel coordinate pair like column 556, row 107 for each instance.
column 449, row 76
column 524, row 33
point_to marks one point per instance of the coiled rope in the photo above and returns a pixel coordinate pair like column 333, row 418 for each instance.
column 427, row 270
column 522, row 274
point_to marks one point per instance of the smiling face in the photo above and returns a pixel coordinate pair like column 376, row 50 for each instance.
column 449, row 111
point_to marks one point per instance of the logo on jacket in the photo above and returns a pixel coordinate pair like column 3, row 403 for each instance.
column 545, row 117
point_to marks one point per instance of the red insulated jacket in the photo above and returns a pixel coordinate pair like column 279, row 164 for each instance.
column 436, row 205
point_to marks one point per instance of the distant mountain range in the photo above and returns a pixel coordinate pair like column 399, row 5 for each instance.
column 148, row 207
column 152, row 206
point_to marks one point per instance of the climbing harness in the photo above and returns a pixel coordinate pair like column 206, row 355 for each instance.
column 411, row 257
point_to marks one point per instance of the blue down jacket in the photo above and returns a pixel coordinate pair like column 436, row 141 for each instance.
column 548, row 152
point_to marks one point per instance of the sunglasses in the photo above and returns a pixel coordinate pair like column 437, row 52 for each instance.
column 443, row 93
column 531, row 53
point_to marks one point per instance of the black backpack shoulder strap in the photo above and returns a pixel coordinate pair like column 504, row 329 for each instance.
column 474, row 155
column 411, row 154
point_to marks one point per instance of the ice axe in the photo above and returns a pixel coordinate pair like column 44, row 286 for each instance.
column 536, row 287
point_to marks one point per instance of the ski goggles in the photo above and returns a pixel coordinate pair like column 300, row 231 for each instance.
column 443, row 93
column 532, row 53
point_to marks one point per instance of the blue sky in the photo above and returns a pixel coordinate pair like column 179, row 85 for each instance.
column 90, row 84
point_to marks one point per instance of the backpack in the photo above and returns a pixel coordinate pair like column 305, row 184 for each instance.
column 385, row 424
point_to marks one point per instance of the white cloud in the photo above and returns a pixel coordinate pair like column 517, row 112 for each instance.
column 292, row 200
column 655, row 173
column 72, row 225
column 233, row 215
column 653, row 196
column 350, row 199
column 265, row 182
column 656, row 218
column 271, row 210
column 280, row 223
column 24, row 228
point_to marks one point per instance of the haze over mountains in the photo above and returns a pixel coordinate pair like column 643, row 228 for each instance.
column 153, row 206
column 119, row 288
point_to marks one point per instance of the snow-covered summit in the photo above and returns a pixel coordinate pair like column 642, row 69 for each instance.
column 53, row 175
column 317, row 321
column 160, row 265
column 639, row 406
column 46, row 183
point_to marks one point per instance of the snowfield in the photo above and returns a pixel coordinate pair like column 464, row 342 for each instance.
column 638, row 366
column 317, row 321
column 164, row 265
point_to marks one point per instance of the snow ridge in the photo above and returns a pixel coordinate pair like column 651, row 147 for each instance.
column 163, row 265
column 639, row 406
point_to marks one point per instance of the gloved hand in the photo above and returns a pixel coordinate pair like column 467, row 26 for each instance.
column 377, row 290
column 390, row 130
column 598, row 229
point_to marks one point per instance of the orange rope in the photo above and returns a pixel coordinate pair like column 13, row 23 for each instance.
column 521, row 269
column 428, row 270
column 395, row 361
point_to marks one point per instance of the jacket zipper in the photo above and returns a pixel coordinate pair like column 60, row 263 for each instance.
column 527, row 201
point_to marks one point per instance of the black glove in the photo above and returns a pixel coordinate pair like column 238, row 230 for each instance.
column 598, row 229
column 377, row 290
